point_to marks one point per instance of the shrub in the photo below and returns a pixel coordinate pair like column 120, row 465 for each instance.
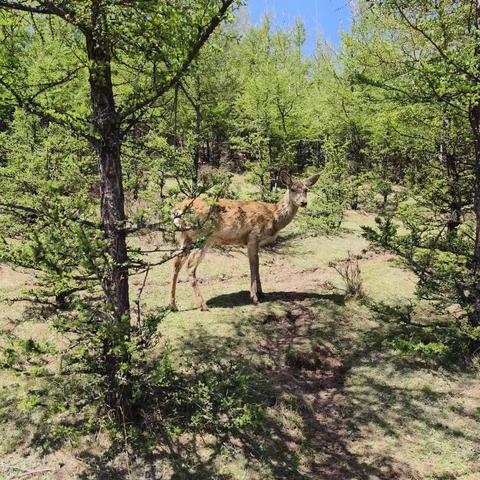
column 349, row 270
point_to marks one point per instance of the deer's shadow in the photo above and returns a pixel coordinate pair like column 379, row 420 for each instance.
column 237, row 299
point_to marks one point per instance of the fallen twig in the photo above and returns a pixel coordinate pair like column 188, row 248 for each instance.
column 29, row 473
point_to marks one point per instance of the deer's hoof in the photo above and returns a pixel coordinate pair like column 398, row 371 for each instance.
column 204, row 308
column 173, row 307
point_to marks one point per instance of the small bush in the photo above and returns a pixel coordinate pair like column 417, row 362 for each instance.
column 349, row 270
column 215, row 396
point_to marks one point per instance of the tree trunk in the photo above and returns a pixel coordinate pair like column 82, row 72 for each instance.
column 385, row 195
column 175, row 115
column 196, row 154
column 474, row 114
column 453, row 177
column 108, row 145
column 356, row 154
column 161, row 185
column 209, row 152
column 455, row 200
column 198, row 130
column 354, row 202
column 270, row 156
column 475, row 123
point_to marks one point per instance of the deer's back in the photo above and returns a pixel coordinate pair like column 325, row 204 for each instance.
column 228, row 221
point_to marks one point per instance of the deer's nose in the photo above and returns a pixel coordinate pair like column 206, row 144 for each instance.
column 303, row 203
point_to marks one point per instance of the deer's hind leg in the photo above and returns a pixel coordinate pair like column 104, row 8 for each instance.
column 193, row 261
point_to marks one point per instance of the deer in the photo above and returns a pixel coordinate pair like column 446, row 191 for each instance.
column 247, row 223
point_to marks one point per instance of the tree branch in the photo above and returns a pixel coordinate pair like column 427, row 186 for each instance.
column 36, row 109
column 34, row 214
column 45, row 8
column 43, row 87
column 189, row 97
column 434, row 44
column 24, row 8
column 202, row 38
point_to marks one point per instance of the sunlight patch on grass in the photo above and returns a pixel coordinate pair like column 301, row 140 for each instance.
column 385, row 281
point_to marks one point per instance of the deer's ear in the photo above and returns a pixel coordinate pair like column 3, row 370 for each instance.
column 310, row 181
column 285, row 178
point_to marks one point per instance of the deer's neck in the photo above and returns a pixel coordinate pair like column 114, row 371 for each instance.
column 286, row 210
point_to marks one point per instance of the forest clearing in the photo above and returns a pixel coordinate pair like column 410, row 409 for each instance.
column 337, row 400
column 332, row 329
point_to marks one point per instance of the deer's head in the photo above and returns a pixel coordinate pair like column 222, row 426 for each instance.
column 297, row 191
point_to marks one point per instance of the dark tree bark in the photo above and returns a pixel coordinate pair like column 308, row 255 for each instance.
column 112, row 210
column 455, row 200
column 161, row 185
column 385, row 195
column 474, row 114
column 450, row 162
column 208, row 152
column 197, row 151
column 475, row 124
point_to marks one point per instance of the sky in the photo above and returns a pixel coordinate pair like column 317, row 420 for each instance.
column 324, row 17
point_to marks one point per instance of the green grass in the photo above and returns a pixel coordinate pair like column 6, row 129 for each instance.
column 337, row 402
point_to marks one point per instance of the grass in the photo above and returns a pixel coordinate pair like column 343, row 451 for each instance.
column 337, row 402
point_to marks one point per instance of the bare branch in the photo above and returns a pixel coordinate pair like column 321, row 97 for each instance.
column 139, row 296
column 189, row 97
column 151, row 227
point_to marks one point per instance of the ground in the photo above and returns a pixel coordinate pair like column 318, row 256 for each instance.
column 341, row 403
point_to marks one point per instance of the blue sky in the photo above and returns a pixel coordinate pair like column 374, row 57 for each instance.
column 325, row 17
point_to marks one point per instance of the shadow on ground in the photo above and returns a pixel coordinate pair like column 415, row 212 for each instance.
column 276, row 403
column 296, row 376
column 237, row 299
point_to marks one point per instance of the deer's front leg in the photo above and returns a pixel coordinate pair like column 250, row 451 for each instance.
column 177, row 265
column 255, row 285
column 194, row 259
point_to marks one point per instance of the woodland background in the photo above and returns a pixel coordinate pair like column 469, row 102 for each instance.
column 363, row 361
